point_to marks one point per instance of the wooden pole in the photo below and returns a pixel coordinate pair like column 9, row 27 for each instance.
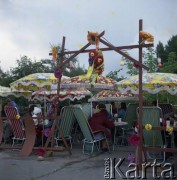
column 55, row 123
column 108, row 49
column 140, row 129
column 124, row 54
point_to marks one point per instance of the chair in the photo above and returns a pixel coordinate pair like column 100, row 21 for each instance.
column 86, row 107
column 153, row 138
column 130, row 118
column 66, row 123
column 167, row 109
column 16, row 124
column 109, row 108
column 89, row 136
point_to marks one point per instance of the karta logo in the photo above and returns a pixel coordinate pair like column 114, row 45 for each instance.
column 114, row 168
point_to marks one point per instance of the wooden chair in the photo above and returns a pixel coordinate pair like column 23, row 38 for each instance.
column 15, row 123
column 90, row 138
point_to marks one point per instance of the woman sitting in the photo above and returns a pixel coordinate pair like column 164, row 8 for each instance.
column 100, row 121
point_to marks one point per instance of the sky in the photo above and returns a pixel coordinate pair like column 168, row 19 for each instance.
column 30, row 27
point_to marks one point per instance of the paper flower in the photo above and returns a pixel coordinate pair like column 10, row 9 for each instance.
column 134, row 140
column 146, row 37
column 131, row 158
column 92, row 38
column 54, row 53
column 169, row 129
column 58, row 73
column 17, row 117
column 148, row 127
column 41, row 152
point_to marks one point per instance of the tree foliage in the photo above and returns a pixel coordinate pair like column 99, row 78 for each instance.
column 150, row 60
column 168, row 51
column 115, row 75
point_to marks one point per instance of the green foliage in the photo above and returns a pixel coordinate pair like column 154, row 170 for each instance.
column 131, row 69
column 75, row 71
column 150, row 60
column 164, row 51
column 161, row 53
column 115, row 75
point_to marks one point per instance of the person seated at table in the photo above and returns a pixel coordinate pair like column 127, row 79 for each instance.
column 122, row 111
column 100, row 121
column 114, row 108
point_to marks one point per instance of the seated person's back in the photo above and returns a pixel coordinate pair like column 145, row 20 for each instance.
column 100, row 121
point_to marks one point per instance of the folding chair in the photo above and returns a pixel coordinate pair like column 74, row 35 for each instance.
column 86, row 107
column 66, row 123
column 89, row 136
column 130, row 118
column 16, row 124
column 153, row 138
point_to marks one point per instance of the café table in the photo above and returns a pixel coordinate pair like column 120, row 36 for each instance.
column 118, row 124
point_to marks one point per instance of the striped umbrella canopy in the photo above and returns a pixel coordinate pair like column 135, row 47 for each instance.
column 70, row 94
column 109, row 95
column 152, row 83
column 100, row 82
column 36, row 81
column 6, row 91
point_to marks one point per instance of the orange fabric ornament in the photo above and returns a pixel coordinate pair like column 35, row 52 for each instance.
column 146, row 36
column 54, row 53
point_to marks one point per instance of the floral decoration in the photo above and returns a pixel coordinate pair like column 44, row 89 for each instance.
column 17, row 117
column 54, row 53
column 58, row 73
column 92, row 38
column 148, row 127
column 41, row 152
column 169, row 129
column 131, row 158
column 134, row 140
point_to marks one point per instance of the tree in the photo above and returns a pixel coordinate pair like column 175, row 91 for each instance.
column 150, row 60
column 76, row 70
column 172, row 57
column 131, row 69
column 161, row 53
column 171, row 45
column 115, row 75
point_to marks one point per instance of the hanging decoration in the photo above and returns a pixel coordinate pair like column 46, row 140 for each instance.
column 92, row 38
column 96, row 60
column 146, row 37
column 58, row 73
column 54, row 53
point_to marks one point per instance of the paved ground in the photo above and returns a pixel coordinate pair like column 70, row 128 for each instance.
column 63, row 166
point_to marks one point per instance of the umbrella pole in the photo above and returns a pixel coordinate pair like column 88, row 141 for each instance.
column 168, row 99
column 91, row 108
column 157, row 99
